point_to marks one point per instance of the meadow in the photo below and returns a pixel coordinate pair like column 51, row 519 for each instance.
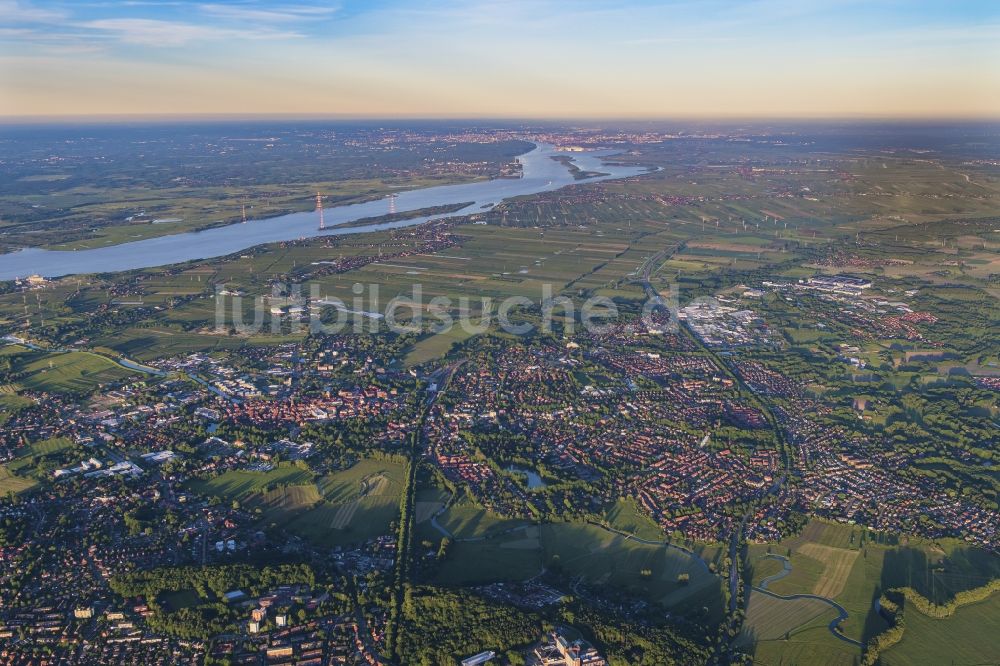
column 63, row 372
column 809, row 643
column 625, row 515
column 489, row 548
column 31, row 463
column 652, row 572
column 11, row 403
column 466, row 520
column 344, row 507
column 968, row 638
column 11, row 483
column 239, row 484
column 769, row 618
column 357, row 504
column 853, row 565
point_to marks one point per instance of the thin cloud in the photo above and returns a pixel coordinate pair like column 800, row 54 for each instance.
column 13, row 11
column 647, row 41
column 283, row 14
column 152, row 32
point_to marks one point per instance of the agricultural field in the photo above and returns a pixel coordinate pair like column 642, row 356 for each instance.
column 513, row 557
column 239, row 484
column 804, row 577
column 465, row 520
column 11, row 483
column 335, row 525
column 366, row 478
column 352, row 522
column 625, row 515
column 852, row 566
column 968, row 638
column 435, row 346
column 280, row 504
column 148, row 344
column 11, row 403
column 354, row 505
column 37, row 458
column 765, row 567
column 33, row 462
column 489, row 549
column 652, row 572
column 428, row 502
column 344, row 507
column 63, row 372
column 770, row 618
column 493, row 262
column 837, row 564
column 809, row 643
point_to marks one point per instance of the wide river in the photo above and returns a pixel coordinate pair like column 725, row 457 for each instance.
column 541, row 174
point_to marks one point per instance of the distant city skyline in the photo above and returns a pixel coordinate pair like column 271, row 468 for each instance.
column 495, row 59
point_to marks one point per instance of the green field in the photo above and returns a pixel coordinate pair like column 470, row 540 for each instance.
column 648, row 571
column 769, row 618
column 435, row 346
column 280, row 504
column 625, row 515
column 10, row 404
column 174, row 601
column 358, row 481
column 45, row 447
column 805, row 574
column 810, row 643
column 32, row 462
column 358, row 504
column 345, row 507
column 35, row 458
column 875, row 562
column 467, row 521
column 63, row 372
column 968, row 638
column 11, row 483
column 350, row 522
column 517, row 557
column 498, row 550
column 764, row 567
column 238, row 484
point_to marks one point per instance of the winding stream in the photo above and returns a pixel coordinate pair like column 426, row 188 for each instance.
column 834, row 625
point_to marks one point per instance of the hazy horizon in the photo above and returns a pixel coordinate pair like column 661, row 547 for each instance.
column 706, row 120
column 549, row 59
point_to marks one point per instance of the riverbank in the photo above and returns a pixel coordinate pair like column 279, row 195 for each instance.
column 540, row 174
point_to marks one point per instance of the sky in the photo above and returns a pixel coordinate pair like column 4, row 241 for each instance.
column 501, row 58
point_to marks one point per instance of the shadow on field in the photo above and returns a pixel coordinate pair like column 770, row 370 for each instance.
column 874, row 622
column 940, row 578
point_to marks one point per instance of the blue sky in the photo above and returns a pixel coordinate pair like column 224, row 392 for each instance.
column 529, row 58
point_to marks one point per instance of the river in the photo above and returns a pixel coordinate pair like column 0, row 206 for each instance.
column 541, row 174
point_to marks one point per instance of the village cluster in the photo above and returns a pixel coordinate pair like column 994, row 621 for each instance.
column 694, row 425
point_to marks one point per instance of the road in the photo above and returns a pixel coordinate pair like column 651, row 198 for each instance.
column 736, row 538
